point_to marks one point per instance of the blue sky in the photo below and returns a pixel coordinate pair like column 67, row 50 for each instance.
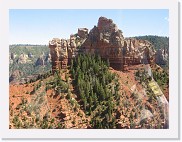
column 30, row 26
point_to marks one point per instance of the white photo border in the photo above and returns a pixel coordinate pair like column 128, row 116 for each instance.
column 171, row 133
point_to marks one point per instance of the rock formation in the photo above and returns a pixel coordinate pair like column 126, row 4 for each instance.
column 161, row 57
column 23, row 58
column 138, row 52
column 10, row 59
column 106, row 40
column 30, row 55
column 59, row 54
column 82, row 32
column 13, row 56
column 48, row 58
column 40, row 61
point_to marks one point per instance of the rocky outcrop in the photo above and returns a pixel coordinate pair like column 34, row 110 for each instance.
column 48, row 58
column 30, row 55
column 59, row 54
column 10, row 60
column 43, row 60
column 161, row 57
column 82, row 32
column 22, row 59
column 138, row 52
column 40, row 61
column 13, row 56
column 106, row 40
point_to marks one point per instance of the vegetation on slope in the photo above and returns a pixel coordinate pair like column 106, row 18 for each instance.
column 35, row 50
column 88, row 95
column 97, row 89
column 28, row 68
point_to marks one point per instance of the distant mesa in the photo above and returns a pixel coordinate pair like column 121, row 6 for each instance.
column 105, row 40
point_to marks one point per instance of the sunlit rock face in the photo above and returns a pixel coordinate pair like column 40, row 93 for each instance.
column 161, row 57
column 22, row 59
column 59, row 53
column 106, row 40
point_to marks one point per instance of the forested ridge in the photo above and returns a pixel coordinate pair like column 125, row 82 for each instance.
column 97, row 88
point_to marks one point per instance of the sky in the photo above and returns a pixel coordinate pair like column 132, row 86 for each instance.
column 33, row 26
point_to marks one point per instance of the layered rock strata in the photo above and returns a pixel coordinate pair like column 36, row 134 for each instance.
column 106, row 40
column 59, row 54
column 161, row 57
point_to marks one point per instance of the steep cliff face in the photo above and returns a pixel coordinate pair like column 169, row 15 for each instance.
column 106, row 40
column 161, row 45
column 138, row 51
column 105, row 35
column 161, row 57
column 59, row 53
column 54, row 51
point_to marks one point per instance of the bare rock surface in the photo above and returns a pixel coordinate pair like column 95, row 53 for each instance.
column 106, row 40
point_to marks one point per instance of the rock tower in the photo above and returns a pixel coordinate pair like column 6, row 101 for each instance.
column 106, row 40
column 59, row 54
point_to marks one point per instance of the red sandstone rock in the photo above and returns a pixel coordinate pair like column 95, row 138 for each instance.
column 82, row 32
column 106, row 40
